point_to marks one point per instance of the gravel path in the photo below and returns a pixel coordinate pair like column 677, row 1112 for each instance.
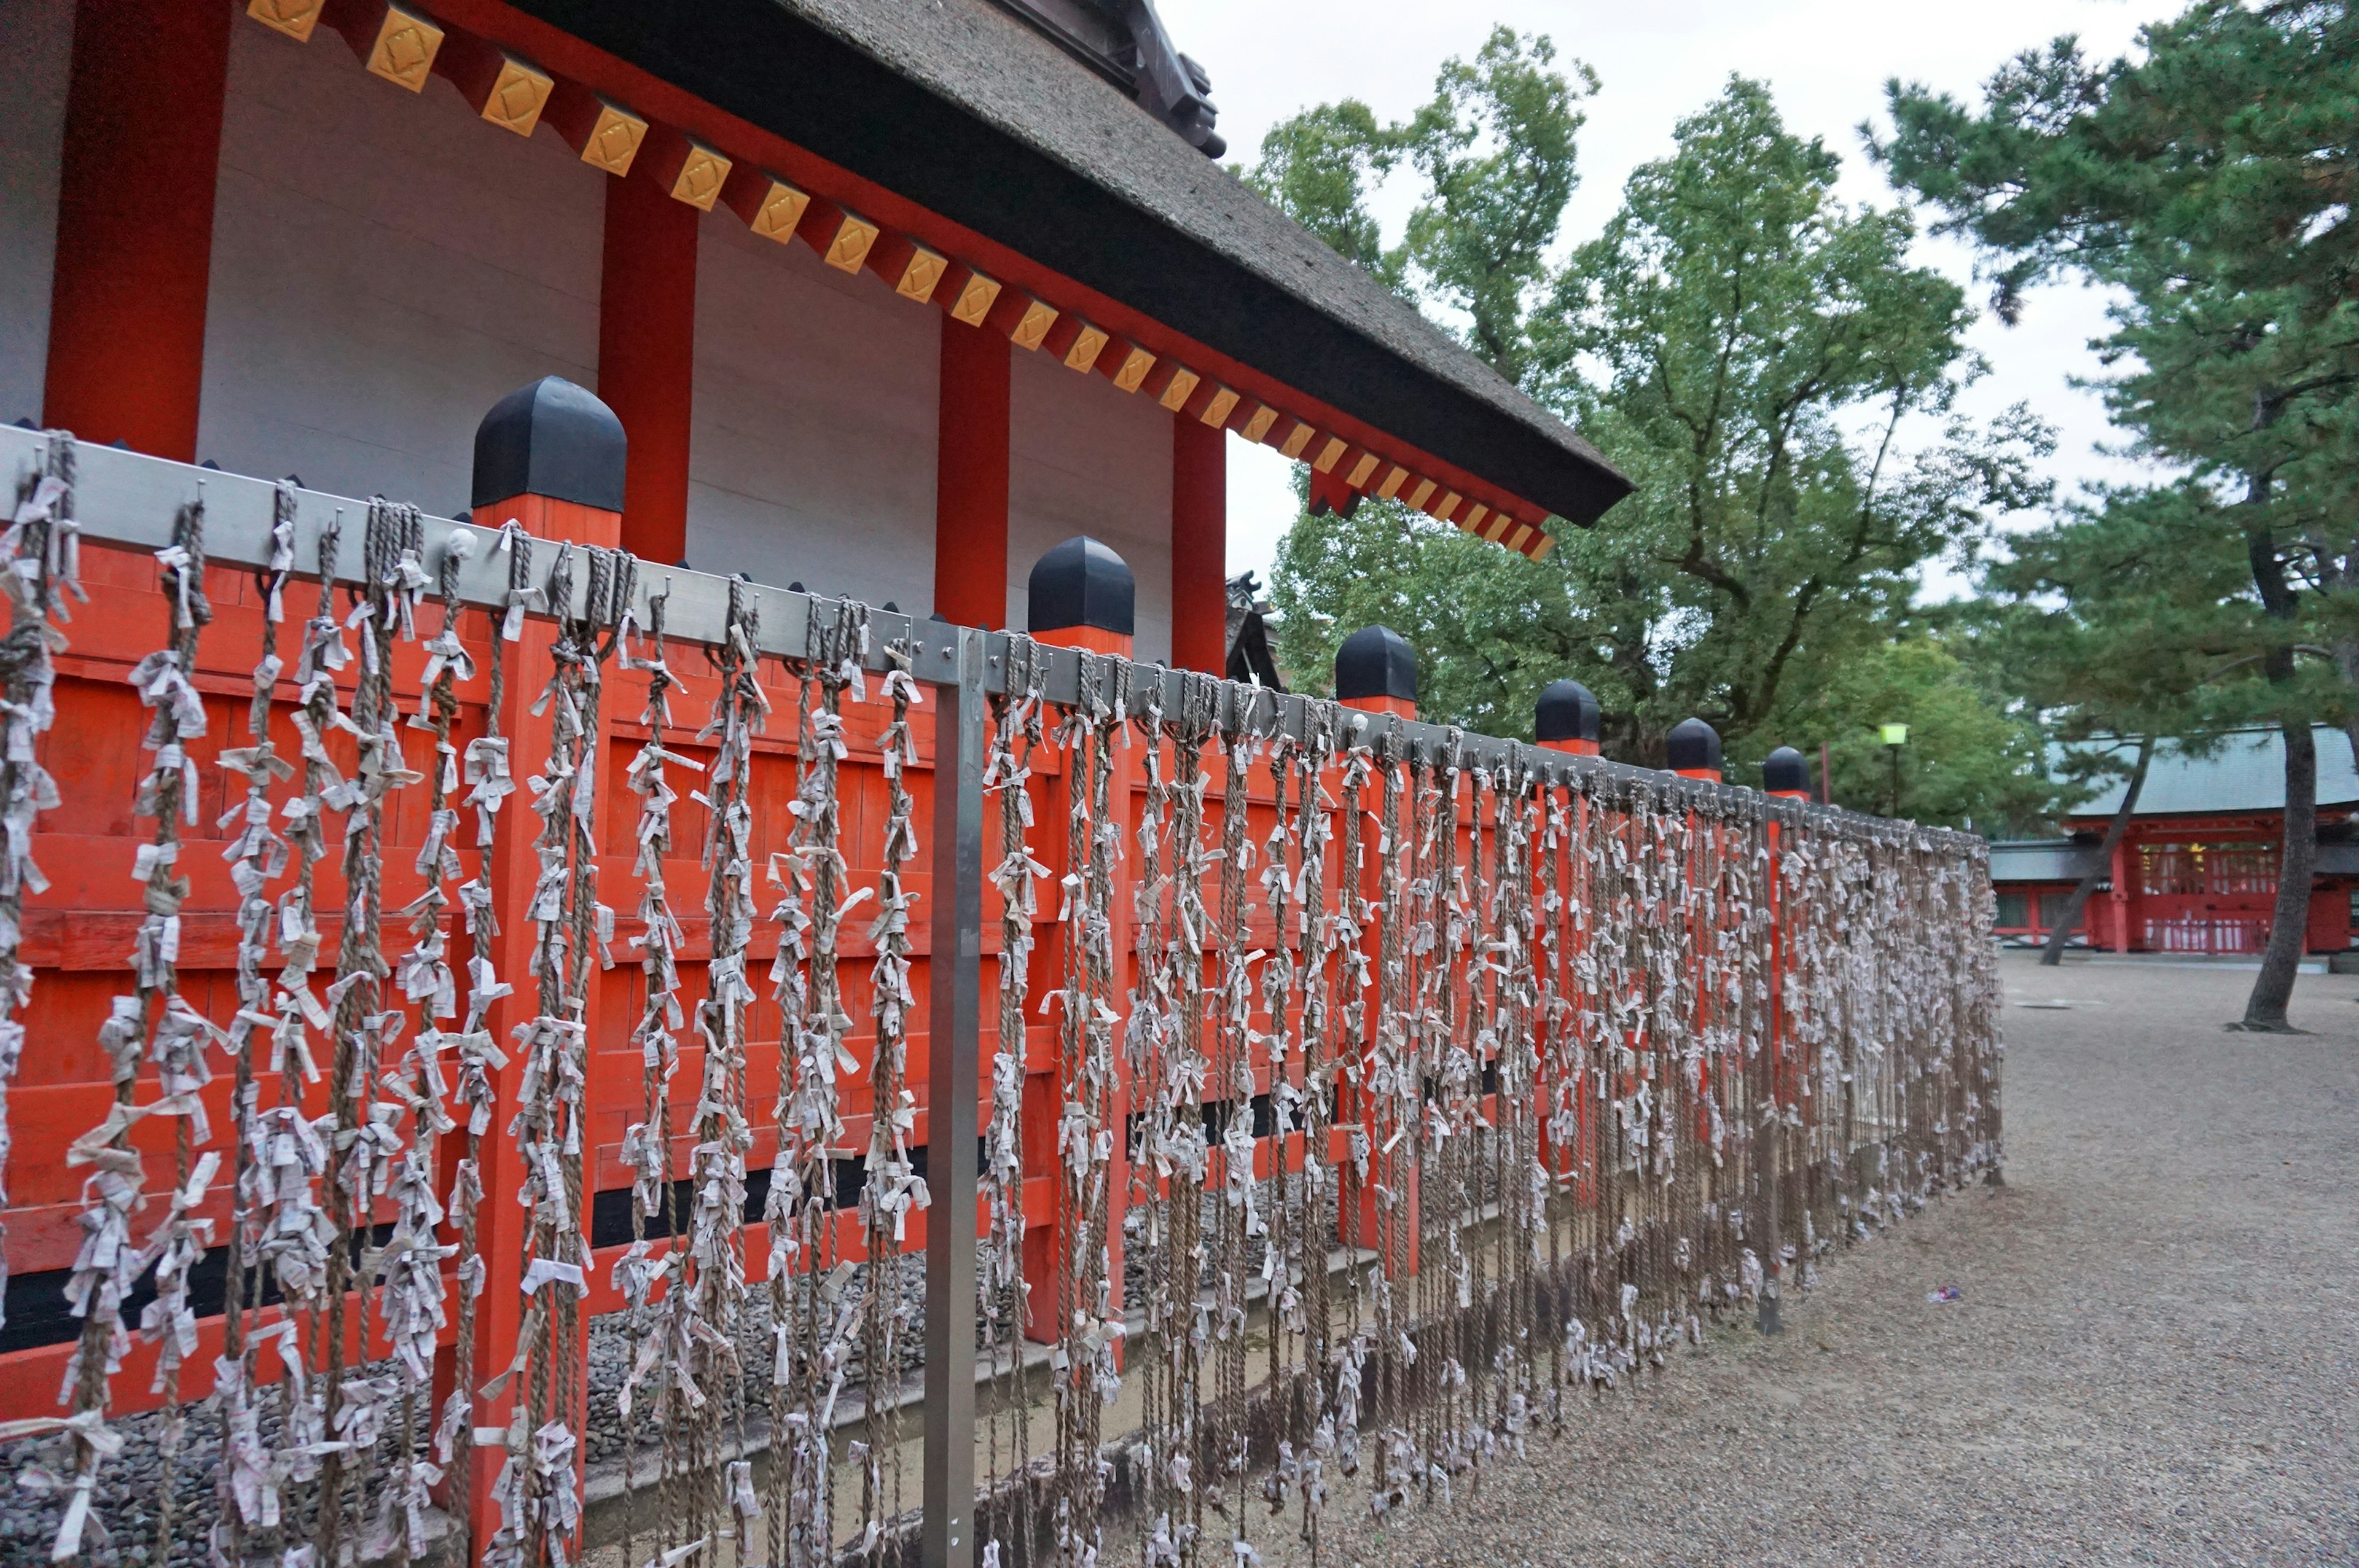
column 2156, row 1358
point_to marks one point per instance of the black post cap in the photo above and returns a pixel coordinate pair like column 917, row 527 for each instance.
column 550, row 439
column 1783, row 772
column 1082, row 583
column 1694, row 747
column 1567, row 710
column 1375, row 661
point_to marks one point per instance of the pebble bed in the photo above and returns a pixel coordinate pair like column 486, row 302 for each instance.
column 2153, row 1357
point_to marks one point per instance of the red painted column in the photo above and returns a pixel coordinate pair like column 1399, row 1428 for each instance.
column 1081, row 595
column 2124, row 871
column 551, row 457
column 1375, row 672
column 970, row 477
column 1200, row 546
column 136, row 222
column 647, row 354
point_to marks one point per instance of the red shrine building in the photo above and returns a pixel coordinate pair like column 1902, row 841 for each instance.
column 889, row 297
column 2197, row 871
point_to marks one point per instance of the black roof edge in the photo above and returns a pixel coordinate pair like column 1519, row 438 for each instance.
column 766, row 65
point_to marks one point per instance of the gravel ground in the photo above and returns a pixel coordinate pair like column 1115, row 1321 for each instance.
column 2156, row 1358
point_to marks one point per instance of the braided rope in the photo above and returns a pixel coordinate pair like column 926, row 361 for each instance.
column 40, row 553
column 1086, row 1378
column 247, row 1485
column 155, row 1018
column 1015, row 734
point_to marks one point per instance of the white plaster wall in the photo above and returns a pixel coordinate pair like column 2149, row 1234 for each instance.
column 811, row 458
column 386, row 268
column 1086, row 458
column 36, row 50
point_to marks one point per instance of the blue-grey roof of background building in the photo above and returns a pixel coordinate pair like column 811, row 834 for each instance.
column 2245, row 770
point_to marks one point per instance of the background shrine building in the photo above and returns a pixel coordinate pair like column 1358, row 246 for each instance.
column 890, row 297
column 2197, row 871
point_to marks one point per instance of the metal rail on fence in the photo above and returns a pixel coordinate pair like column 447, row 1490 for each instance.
column 1565, row 1003
column 128, row 500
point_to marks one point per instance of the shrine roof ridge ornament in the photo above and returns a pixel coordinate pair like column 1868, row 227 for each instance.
column 982, row 119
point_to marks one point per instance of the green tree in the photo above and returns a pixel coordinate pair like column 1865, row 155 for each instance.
column 1496, row 147
column 1758, row 357
column 1754, row 354
column 1317, row 169
column 2122, row 622
column 1970, row 761
column 2210, row 179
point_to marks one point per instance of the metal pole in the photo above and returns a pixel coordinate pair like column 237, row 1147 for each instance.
column 952, row 1155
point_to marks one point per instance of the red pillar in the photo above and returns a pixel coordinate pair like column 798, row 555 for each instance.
column 136, row 222
column 647, row 354
column 2124, row 871
column 971, row 478
column 1375, row 673
column 1200, row 546
column 1081, row 595
column 550, row 457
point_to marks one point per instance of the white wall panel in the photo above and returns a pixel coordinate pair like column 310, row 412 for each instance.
column 35, row 49
column 386, row 268
column 1086, row 458
column 812, row 459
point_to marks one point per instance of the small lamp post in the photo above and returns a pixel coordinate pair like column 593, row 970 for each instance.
column 1895, row 737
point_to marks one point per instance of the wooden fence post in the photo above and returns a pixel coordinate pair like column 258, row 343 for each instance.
column 548, row 456
column 1375, row 672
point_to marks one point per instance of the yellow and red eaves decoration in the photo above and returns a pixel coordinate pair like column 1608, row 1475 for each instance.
column 519, row 72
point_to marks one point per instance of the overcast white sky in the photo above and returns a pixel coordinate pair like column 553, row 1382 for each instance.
column 1826, row 60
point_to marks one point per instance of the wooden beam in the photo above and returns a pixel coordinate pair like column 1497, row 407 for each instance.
column 1359, row 468
column 1389, row 486
column 840, row 235
column 1212, row 403
column 1255, row 426
column 1328, row 451
column 1076, row 343
column 607, row 136
column 1294, row 437
column 139, row 162
column 688, row 170
column 1125, row 365
column 503, row 89
column 647, row 353
column 1170, row 384
column 1200, row 597
column 295, row 18
column 970, row 477
column 769, row 206
column 393, row 41
column 912, row 269
column 1422, row 493
column 968, row 295
column 1022, row 318
column 1445, row 506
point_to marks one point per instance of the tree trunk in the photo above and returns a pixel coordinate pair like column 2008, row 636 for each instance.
column 2053, row 954
column 2264, row 1011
